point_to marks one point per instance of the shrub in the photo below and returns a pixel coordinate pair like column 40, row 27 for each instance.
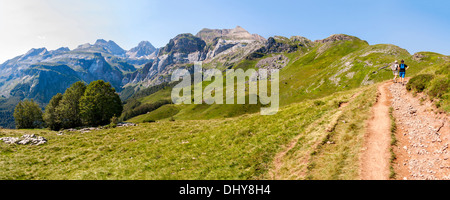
column 114, row 121
column 439, row 87
column 338, row 103
column 149, row 120
column 419, row 83
column 319, row 103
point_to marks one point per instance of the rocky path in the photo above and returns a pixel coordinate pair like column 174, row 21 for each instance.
column 423, row 138
column 375, row 153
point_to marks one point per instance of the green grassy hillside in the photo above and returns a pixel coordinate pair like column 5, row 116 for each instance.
column 240, row 147
column 320, row 137
column 314, row 72
column 436, row 88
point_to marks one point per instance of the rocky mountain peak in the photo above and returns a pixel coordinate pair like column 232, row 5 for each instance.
column 61, row 50
column 111, row 46
column 39, row 51
column 102, row 45
column 145, row 45
column 144, row 48
column 34, row 52
column 301, row 40
column 184, row 43
column 338, row 37
column 101, row 42
column 238, row 29
column 238, row 33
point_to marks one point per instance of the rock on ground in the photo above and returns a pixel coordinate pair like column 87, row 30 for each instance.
column 25, row 139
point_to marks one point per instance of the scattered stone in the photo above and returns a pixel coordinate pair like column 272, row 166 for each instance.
column 25, row 139
column 425, row 136
column 10, row 140
column 125, row 124
column 184, row 142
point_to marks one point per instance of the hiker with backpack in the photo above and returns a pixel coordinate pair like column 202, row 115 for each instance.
column 402, row 71
column 394, row 68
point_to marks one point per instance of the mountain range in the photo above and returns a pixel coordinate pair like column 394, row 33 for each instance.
column 39, row 74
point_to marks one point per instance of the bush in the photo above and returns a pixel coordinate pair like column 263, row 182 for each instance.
column 338, row 103
column 114, row 121
column 439, row 87
column 319, row 103
column 149, row 121
column 419, row 83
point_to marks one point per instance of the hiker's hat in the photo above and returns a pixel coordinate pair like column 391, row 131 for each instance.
column 396, row 61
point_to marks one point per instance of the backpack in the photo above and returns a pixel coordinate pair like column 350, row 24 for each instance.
column 394, row 67
column 402, row 68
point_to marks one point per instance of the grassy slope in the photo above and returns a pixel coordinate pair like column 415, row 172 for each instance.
column 232, row 144
column 440, row 69
column 312, row 73
column 234, row 148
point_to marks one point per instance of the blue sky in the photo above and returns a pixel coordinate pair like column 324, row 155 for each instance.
column 410, row 24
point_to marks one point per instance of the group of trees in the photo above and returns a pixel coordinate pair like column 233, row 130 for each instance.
column 91, row 105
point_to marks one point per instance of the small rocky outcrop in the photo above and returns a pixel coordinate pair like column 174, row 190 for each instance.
column 279, row 45
column 276, row 44
column 30, row 139
column 274, row 62
column 418, row 57
column 301, row 41
column 89, row 129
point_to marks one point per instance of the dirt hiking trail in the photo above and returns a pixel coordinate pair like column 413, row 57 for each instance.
column 422, row 139
column 422, row 134
column 375, row 153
